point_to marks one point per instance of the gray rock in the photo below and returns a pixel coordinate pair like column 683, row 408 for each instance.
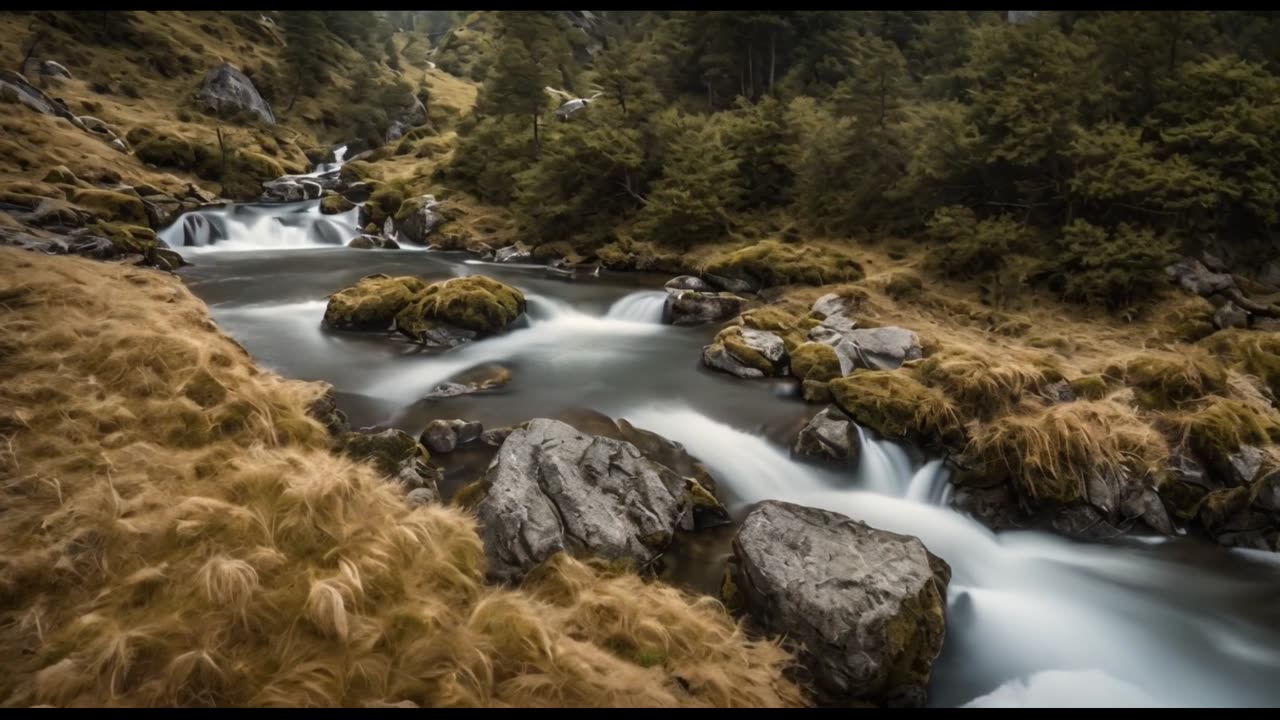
column 1245, row 464
column 832, row 304
column 422, row 496
column 419, row 221
column 1268, row 492
column 554, row 489
column 825, row 335
column 394, row 453
column 829, row 435
column 445, row 336
column 512, row 254
column 440, row 436
column 468, row 431
column 226, row 89
column 496, row 436
column 53, row 69
column 35, row 98
column 734, row 285
column 688, row 282
column 866, row 606
column 1193, row 276
column 717, row 357
column 689, row 307
column 883, row 348
column 767, row 345
column 1230, row 315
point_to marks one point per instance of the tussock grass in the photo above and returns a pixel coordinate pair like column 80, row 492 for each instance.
column 1217, row 429
column 771, row 263
column 177, row 531
column 896, row 405
column 1166, row 380
column 1251, row 352
column 1053, row 454
column 983, row 385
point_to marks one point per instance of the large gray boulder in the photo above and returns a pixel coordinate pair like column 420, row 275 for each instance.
column 226, row 89
column 882, row 348
column 417, row 219
column 33, row 97
column 867, row 607
column 830, row 435
column 554, row 489
column 1194, row 277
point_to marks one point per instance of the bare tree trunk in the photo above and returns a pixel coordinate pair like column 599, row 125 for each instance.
column 222, row 146
column 773, row 58
column 31, row 49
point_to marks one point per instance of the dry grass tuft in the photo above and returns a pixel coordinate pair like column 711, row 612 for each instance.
column 981, row 384
column 1055, row 453
column 168, row 543
column 1167, row 380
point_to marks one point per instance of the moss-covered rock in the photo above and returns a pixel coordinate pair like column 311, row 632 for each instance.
column 477, row 304
column 815, row 361
column 167, row 152
column 382, row 204
column 1251, row 352
column 112, row 206
column 372, row 303
column 335, row 204
column 895, row 405
column 355, row 171
column 128, row 238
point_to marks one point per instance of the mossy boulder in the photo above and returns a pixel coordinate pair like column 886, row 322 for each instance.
column 1251, row 352
column 382, row 204
column 746, row 352
column 815, row 361
column 476, row 304
column 335, row 204
column 372, row 303
column 895, row 405
column 128, row 238
column 112, row 206
column 1221, row 427
column 356, row 171
column 166, row 152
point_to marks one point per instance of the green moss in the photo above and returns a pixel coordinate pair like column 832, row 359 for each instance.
column 772, row 263
column 1219, row 506
column 815, row 361
column 790, row 328
column 1089, row 387
column 111, row 206
column 409, row 207
column 387, row 451
column 475, row 303
column 166, row 152
column 814, row 391
column 732, row 340
column 128, row 238
column 1164, row 382
column 649, row 658
column 383, row 203
column 471, row 494
column 355, row 171
column 729, row 593
column 895, row 405
column 904, row 285
column 335, row 204
column 372, row 303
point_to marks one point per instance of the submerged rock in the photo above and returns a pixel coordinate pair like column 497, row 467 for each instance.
column 512, row 254
column 226, row 89
column 866, row 606
column 689, row 282
column 746, row 352
column 444, row 436
column 553, row 489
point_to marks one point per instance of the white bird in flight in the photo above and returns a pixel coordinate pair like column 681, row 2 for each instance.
column 572, row 104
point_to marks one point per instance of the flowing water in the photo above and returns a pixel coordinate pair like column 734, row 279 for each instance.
column 1033, row 619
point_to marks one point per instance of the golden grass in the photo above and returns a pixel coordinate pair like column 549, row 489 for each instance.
column 1167, row 380
column 895, row 405
column 1054, row 453
column 177, row 531
column 982, row 384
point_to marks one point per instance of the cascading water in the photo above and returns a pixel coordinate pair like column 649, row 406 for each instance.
column 642, row 307
column 1033, row 619
column 256, row 226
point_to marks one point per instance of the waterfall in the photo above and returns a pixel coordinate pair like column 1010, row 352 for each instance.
column 641, row 307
